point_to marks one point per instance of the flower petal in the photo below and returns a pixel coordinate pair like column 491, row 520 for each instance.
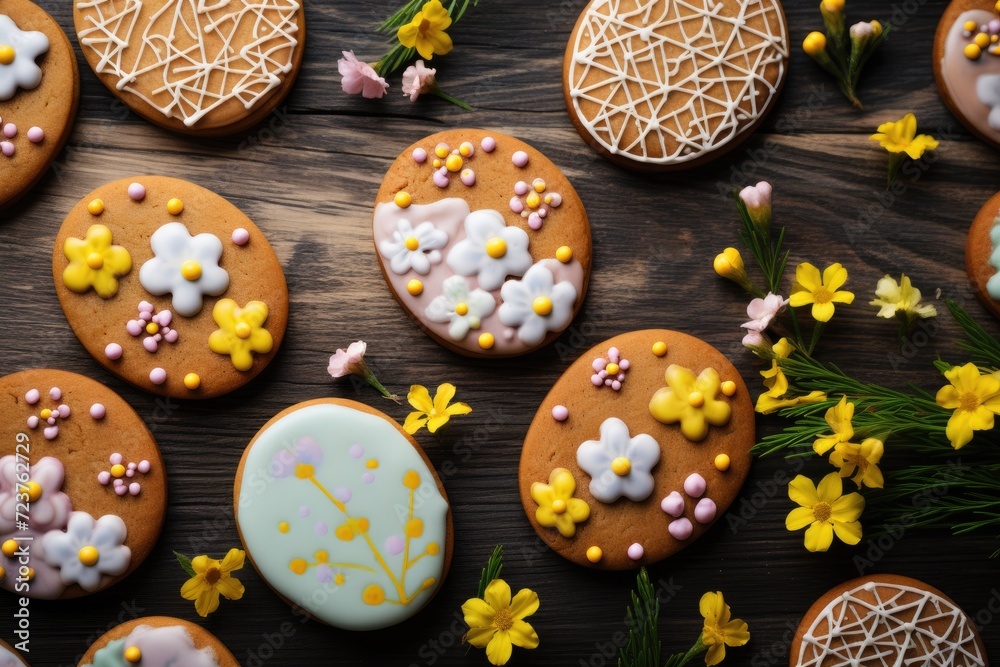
column 830, row 488
column 849, row 533
column 445, row 392
column 802, row 491
column 834, row 276
column 799, row 518
column 499, row 649
column 807, row 276
column 819, row 536
column 523, row 635
column 847, row 508
column 524, row 604
column 420, row 398
column 497, row 594
column 478, row 614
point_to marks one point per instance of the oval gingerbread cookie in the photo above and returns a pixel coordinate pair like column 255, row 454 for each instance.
column 39, row 92
column 967, row 65
column 982, row 255
column 205, row 68
column 886, row 619
column 82, row 488
column 170, row 287
column 483, row 242
column 637, row 450
column 158, row 641
column 658, row 85
column 342, row 514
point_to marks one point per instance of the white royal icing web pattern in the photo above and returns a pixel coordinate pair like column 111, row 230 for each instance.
column 195, row 68
column 895, row 629
column 717, row 67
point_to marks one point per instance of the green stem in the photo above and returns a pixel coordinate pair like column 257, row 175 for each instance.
column 454, row 100
column 373, row 381
column 817, row 333
column 799, row 343
column 681, row 659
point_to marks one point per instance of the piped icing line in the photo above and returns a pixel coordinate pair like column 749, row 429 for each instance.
column 866, row 632
column 618, row 40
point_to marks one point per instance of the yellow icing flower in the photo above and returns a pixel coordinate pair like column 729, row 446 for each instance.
column 822, row 292
column 496, row 622
column 426, row 32
column 241, row 332
column 213, row 578
column 901, row 137
column 432, row 413
column 774, row 377
column 720, row 629
column 557, row 508
column 861, row 461
column 974, row 397
column 900, row 298
column 94, row 262
column 825, row 510
column 768, row 404
column 839, row 418
column 691, row 401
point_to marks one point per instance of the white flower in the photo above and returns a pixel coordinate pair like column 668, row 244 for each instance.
column 463, row 309
column 536, row 305
column 88, row 549
column 619, row 465
column 23, row 72
column 412, row 248
column 185, row 266
column 491, row 250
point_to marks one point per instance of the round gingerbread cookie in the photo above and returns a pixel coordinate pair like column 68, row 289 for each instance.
column 342, row 514
column 170, row 287
column 637, row 450
column 194, row 67
column 83, row 491
column 9, row 657
column 886, row 619
column 483, row 241
column 39, row 92
column 982, row 255
column 658, row 85
column 158, row 641
column 967, row 65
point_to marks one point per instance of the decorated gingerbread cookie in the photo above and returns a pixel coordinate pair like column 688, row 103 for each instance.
column 967, row 65
column 195, row 67
column 483, row 242
column 637, row 450
column 170, row 287
column 39, row 91
column 9, row 657
column 82, row 487
column 886, row 620
column 982, row 255
column 343, row 515
column 658, row 85
column 158, row 641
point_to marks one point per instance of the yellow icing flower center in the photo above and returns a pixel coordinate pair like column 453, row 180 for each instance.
column 304, row 470
column 822, row 512
column 242, row 330
column 559, row 506
column 696, row 399
column 496, row 247
column 34, row 490
column 412, row 243
column 7, row 54
column 542, row 306
column 45, row 414
column 969, row 401
column 89, row 556
column 133, row 654
column 191, row 270
column 503, row 620
column 822, row 295
column 152, row 328
column 462, row 309
column 117, row 470
column 95, row 261
column 612, row 368
column 533, row 200
column 621, row 466
column 454, row 163
column 212, row 576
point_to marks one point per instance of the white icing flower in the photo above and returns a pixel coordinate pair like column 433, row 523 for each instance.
column 463, row 309
column 988, row 91
column 619, row 465
column 412, row 248
column 88, row 549
column 491, row 250
column 536, row 305
column 185, row 266
column 22, row 71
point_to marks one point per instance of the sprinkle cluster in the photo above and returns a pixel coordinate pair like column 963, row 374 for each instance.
column 35, row 135
column 985, row 38
column 119, row 470
column 49, row 416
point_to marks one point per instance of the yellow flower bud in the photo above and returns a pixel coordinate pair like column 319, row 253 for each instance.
column 876, row 28
column 814, row 43
column 832, row 5
column 729, row 264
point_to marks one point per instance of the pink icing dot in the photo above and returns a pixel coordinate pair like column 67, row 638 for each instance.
column 32, row 421
column 419, row 155
column 554, row 199
column 113, row 351
column 10, row 130
column 994, row 26
column 240, row 236
column 134, row 327
column 694, row 485
column 97, row 411
column 51, row 432
column 32, row 396
column 143, row 466
column 520, row 159
column 116, row 458
column 343, row 494
column 521, row 188
column 356, row 451
column 304, row 511
column 136, row 191
column 51, row 420
column 394, row 545
column 535, row 221
column 35, row 134
column 145, row 307
column 624, row 364
column 7, row 148
column 130, row 472
column 170, row 336
column 368, row 478
column 516, row 205
column 560, row 413
column 597, row 380
column 157, row 375
column 681, row 529
column 150, row 345
column 441, row 177
column 134, row 488
column 320, row 528
column 468, row 177
column 121, row 489
column 616, row 384
column 104, row 477
column 118, row 483
column 63, row 411
column 635, row 551
column 131, row 465
column 704, row 511
column 673, row 504
column 55, row 393
column 489, row 144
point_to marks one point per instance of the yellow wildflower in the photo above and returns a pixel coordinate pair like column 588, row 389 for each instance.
column 822, row 293
column 426, row 32
column 861, row 461
column 901, row 137
column 900, row 298
column 432, row 413
column 768, row 404
column 496, row 622
column 692, row 401
column 95, row 263
column 213, row 578
column 839, row 418
column 720, row 630
column 774, row 377
column 974, row 397
column 557, row 508
column 241, row 332
column 825, row 510
column 814, row 43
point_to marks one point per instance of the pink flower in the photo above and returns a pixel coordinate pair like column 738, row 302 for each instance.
column 358, row 77
column 762, row 311
column 418, row 79
column 753, row 338
column 757, row 199
column 351, row 360
column 50, row 507
column 609, row 372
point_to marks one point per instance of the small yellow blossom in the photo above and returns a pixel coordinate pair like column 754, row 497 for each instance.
column 900, row 298
column 774, row 377
column 692, row 401
column 557, row 508
column 860, row 461
column 496, row 622
column 825, row 511
column 213, row 578
column 720, row 629
column 821, row 292
column 95, row 263
column 241, row 332
column 839, row 418
column 768, row 404
column 901, row 137
column 974, row 397
column 729, row 264
column 433, row 414
column 426, row 32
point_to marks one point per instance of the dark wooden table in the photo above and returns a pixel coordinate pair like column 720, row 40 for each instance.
column 308, row 179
